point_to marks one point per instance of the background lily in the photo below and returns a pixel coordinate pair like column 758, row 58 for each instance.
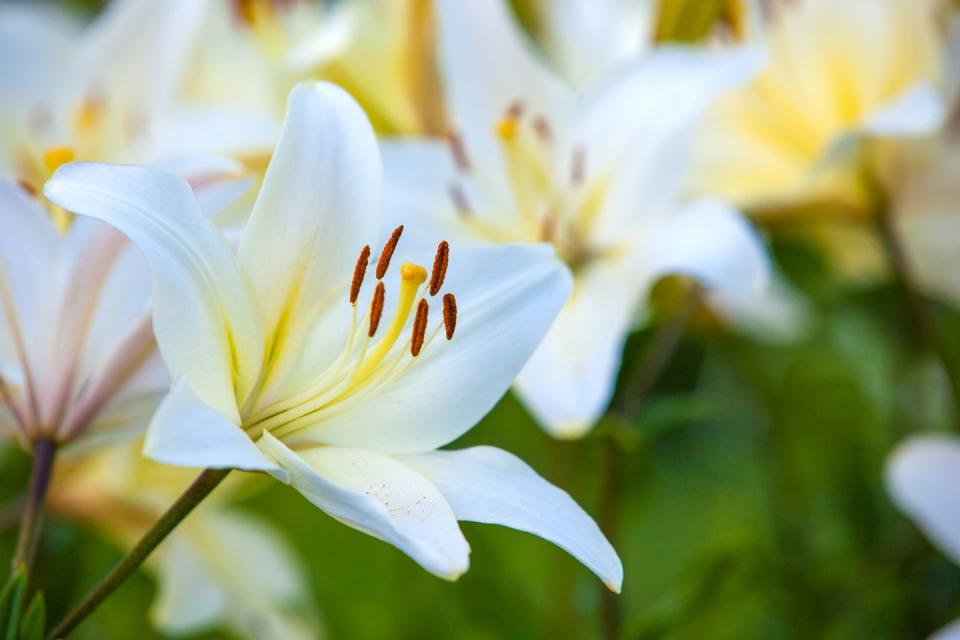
column 923, row 477
column 222, row 567
column 286, row 363
column 76, row 348
column 790, row 138
column 598, row 175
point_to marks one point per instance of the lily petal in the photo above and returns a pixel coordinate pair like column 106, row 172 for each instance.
column 28, row 250
column 205, row 319
column 319, row 205
column 917, row 112
column 712, row 242
column 569, row 381
column 228, row 567
column 379, row 496
column 508, row 295
column 187, row 433
column 488, row 65
column 923, row 477
column 485, row 484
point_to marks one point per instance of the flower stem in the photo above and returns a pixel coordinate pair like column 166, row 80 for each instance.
column 44, row 452
column 206, row 482
column 919, row 309
column 632, row 393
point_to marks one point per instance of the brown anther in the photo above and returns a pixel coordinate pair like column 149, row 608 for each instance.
column 384, row 262
column 458, row 151
column 376, row 308
column 27, row 187
column 419, row 327
column 548, row 227
column 359, row 271
column 542, row 129
column 449, row 314
column 578, row 167
column 515, row 110
column 439, row 270
column 460, row 200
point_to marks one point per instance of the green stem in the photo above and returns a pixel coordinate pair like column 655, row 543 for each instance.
column 630, row 397
column 206, row 482
column 919, row 309
column 44, row 452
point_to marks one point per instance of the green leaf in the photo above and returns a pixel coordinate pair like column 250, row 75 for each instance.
column 34, row 620
column 10, row 603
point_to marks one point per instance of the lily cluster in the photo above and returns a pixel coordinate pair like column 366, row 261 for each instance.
column 320, row 243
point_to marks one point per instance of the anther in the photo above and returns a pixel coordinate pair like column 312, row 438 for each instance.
column 359, row 271
column 384, row 262
column 27, row 187
column 88, row 114
column 460, row 200
column 449, row 314
column 542, row 129
column 507, row 126
column 458, row 151
column 54, row 157
column 419, row 327
column 376, row 308
column 439, row 270
column 578, row 167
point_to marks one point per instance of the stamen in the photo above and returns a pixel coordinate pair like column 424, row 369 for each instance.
column 27, row 187
column 578, row 167
column 449, row 314
column 359, row 271
column 88, row 114
column 419, row 327
column 542, row 128
column 54, row 157
column 376, row 308
column 458, row 151
column 460, row 200
column 384, row 263
column 439, row 270
column 508, row 125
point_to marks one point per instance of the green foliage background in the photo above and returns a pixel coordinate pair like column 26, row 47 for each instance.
column 752, row 503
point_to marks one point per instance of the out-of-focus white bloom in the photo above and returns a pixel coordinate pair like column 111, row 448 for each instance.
column 839, row 72
column 280, row 367
column 383, row 53
column 76, row 350
column 598, row 175
column 923, row 478
column 220, row 567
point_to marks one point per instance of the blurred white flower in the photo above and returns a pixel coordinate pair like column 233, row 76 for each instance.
column 281, row 368
column 76, row 349
column 839, row 72
column 923, row 478
column 599, row 175
column 221, row 567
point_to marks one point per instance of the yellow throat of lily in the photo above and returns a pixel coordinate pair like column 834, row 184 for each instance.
column 367, row 361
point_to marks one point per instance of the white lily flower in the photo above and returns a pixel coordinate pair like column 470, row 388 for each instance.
column 106, row 92
column 839, row 72
column 287, row 363
column 221, row 567
column 599, row 175
column 76, row 349
column 923, row 478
